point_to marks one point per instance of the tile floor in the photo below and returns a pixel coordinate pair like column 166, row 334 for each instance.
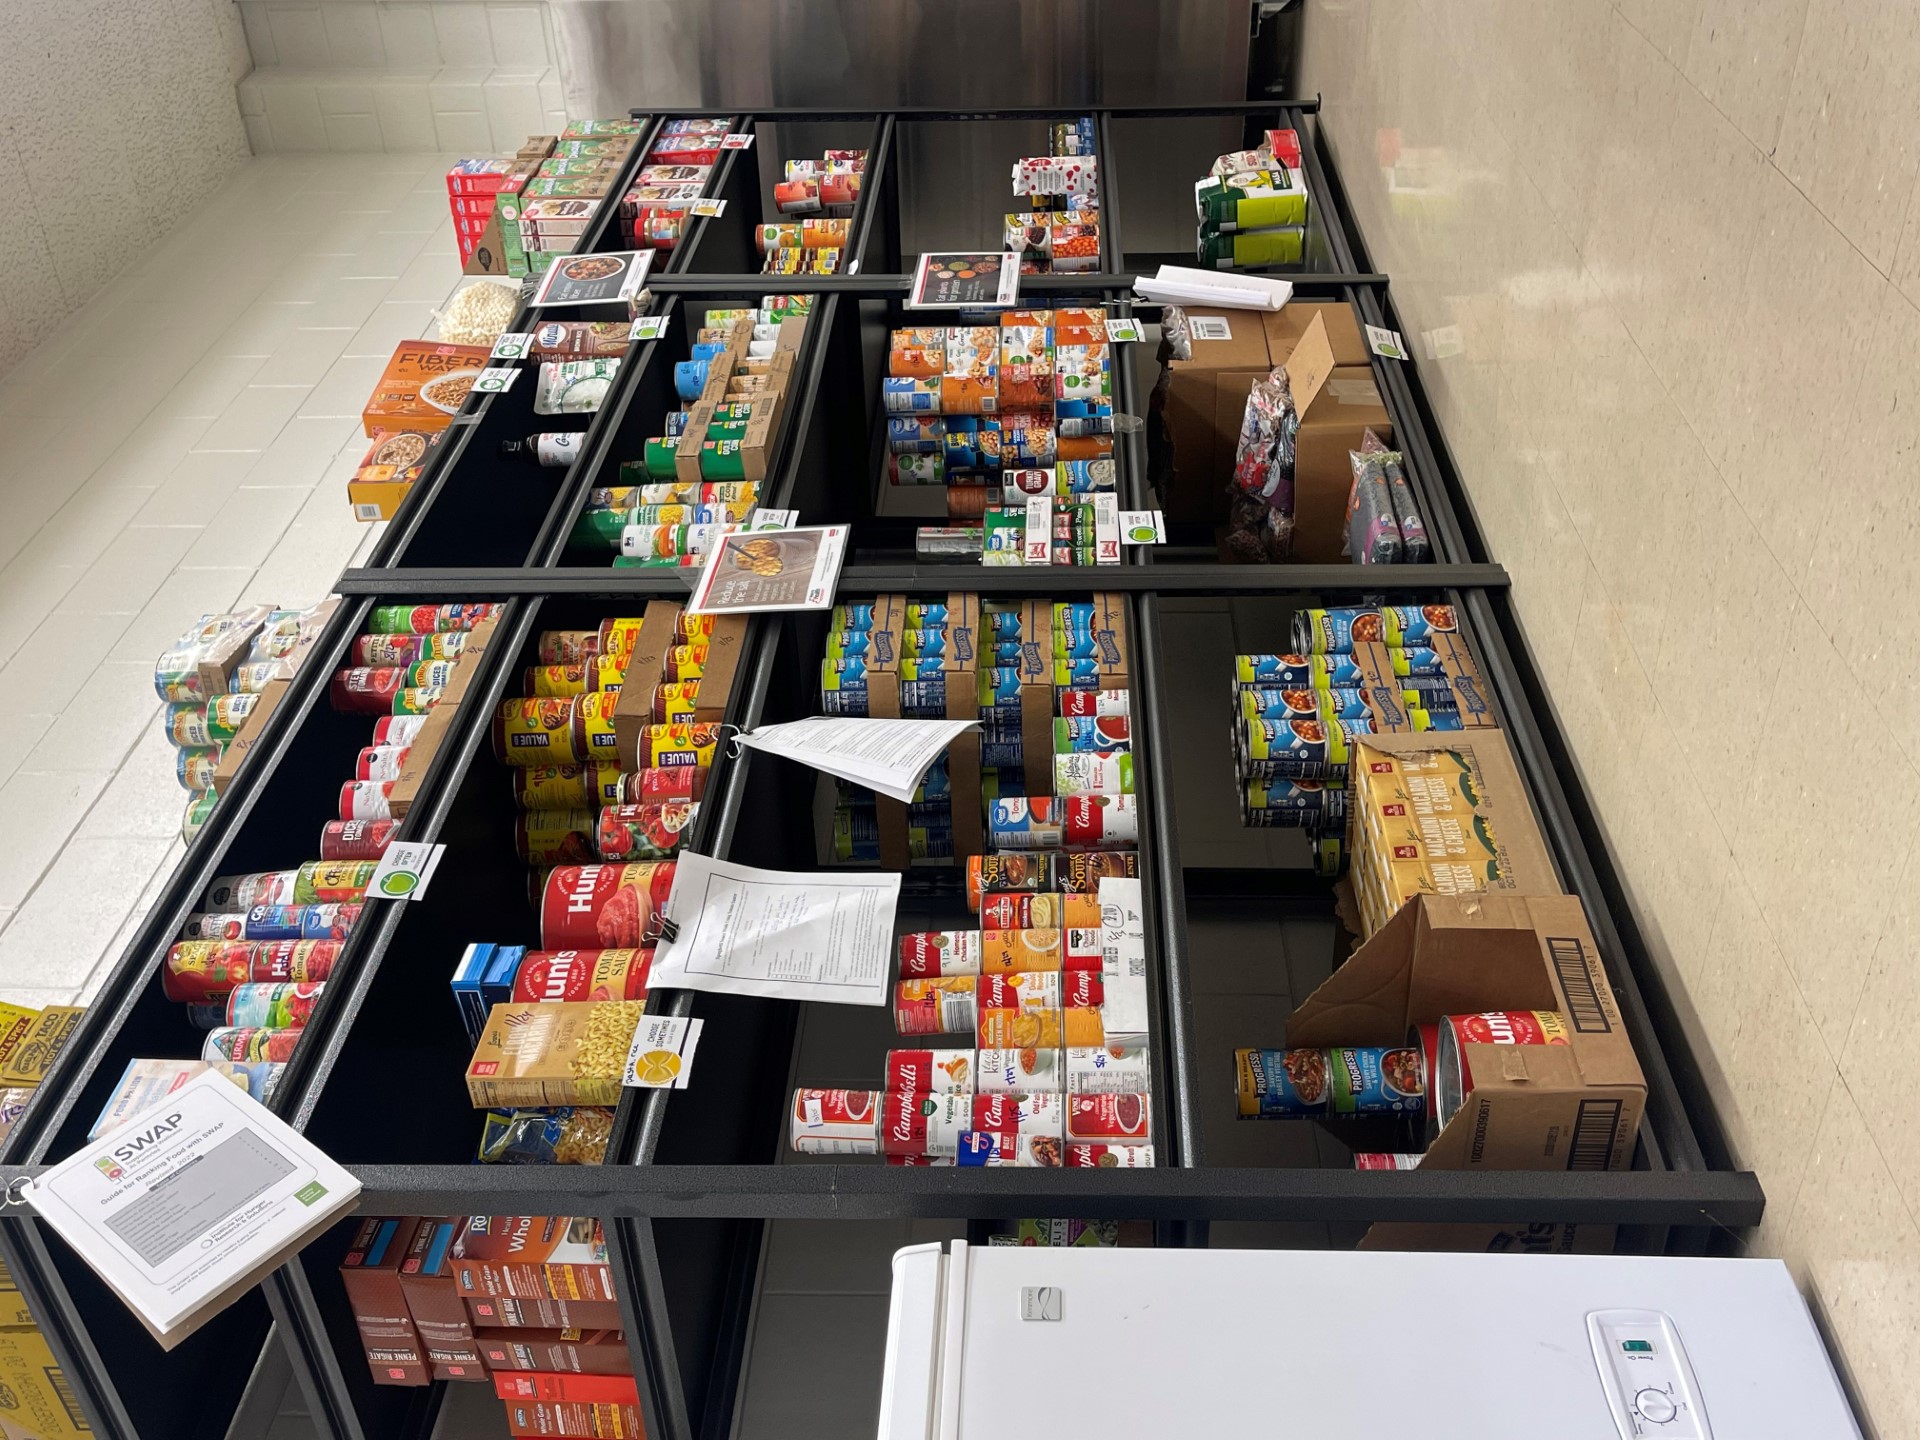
column 1661, row 259
column 191, row 433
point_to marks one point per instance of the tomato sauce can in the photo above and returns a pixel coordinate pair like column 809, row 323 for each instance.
column 1109, row 1118
column 934, row 953
column 935, row 1006
column 835, row 1122
column 285, row 1006
column 366, row 689
column 644, row 832
column 1453, row 1080
column 575, row 975
column 356, row 839
column 659, row 783
column 198, row 971
column 381, row 762
column 1109, row 1157
column 596, row 906
column 366, row 800
column 397, row 729
column 245, row 1044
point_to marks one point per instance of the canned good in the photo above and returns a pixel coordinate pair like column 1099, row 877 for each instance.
column 1109, row 1069
column 1080, row 734
column 397, row 729
column 566, row 787
column 1274, row 671
column 248, row 1044
column 427, row 619
column 676, row 702
column 1027, row 952
column 285, row 1006
column 593, row 906
column 554, row 837
column 1453, row 1081
column 317, row 881
column 536, row 731
column 381, row 762
column 356, row 839
column 366, row 689
column 1109, row 1157
column 279, row 922
column 1382, row 1160
column 1025, row 1129
column 194, row 768
column 932, row 1072
column 594, row 741
column 835, row 1122
column 1077, row 1028
column 945, row 1005
column 667, row 745
column 568, row 647
column 197, row 971
column 932, row 954
column 1041, row 910
column 1344, row 1080
column 575, row 975
column 366, row 800
column 1074, row 822
column 1109, row 1119
column 200, row 805
column 644, row 832
column 416, row 700
column 660, row 783
column 1108, row 773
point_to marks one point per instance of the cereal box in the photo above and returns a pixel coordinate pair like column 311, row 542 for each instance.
column 423, row 386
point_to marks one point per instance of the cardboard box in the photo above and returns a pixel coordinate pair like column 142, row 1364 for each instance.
column 633, row 710
column 251, row 729
column 546, row 1385
column 13, row 1305
column 960, row 672
column 542, row 1257
column 1036, row 694
column 393, row 462
column 427, row 1285
column 1337, row 406
column 552, row 1053
column 16, row 1023
column 485, row 257
column 433, row 730
column 370, row 1274
column 769, row 401
column 1533, row 1107
column 571, row 1417
column 44, row 1406
column 1384, row 691
column 593, row 1352
column 506, row 1312
column 26, row 1065
column 423, row 386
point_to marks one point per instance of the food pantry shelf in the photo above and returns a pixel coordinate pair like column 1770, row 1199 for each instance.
column 705, row 1167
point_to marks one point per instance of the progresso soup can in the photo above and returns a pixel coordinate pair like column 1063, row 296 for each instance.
column 1342, row 1080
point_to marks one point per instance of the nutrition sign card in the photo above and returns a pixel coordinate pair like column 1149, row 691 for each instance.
column 594, row 279
column 956, row 281
column 191, row 1203
column 758, row 569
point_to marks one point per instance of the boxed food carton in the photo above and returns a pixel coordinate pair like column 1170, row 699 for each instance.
column 1337, row 405
column 43, row 1404
column 434, row 1303
column 594, row 1352
column 553, row 1053
column 370, row 1275
column 393, row 462
column 506, row 1312
column 633, row 710
column 571, row 1417
column 26, row 1065
column 542, row 1257
column 423, row 386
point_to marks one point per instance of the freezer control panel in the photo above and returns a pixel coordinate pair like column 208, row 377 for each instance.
column 1646, row 1375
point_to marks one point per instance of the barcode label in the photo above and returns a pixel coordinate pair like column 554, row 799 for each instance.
column 1209, row 327
column 57, row 1379
column 366, row 512
column 1593, row 1128
column 1584, row 1011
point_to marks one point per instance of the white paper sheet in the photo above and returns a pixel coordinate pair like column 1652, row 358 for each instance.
column 889, row 756
column 787, row 935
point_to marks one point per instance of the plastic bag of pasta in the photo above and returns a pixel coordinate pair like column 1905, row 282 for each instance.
column 565, row 1135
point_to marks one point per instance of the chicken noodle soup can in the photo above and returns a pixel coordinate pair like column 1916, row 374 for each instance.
column 1453, row 1080
column 1343, row 1080
column 835, row 1122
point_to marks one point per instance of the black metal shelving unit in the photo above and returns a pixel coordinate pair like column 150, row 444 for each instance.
column 696, row 1180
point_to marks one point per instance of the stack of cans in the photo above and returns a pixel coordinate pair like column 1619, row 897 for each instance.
column 576, row 804
column 1252, row 206
column 816, row 200
column 208, row 699
column 1004, row 414
column 1057, row 229
column 679, row 165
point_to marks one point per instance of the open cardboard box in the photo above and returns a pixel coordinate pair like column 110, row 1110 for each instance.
column 1337, row 405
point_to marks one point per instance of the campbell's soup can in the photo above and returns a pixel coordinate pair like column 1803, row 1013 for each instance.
column 366, row 800
column 381, row 762
column 356, row 839
column 397, row 729
column 603, row 906
column 553, row 975
column 932, row 953
column 835, row 1122
column 1072, row 822
column 1109, row 1070
column 1039, row 1029
column 535, row 731
column 1038, row 910
column 931, row 1072
column 285, row 1006
column 367, row 689
column 1018, row 952
column 1030, row 990
column 644, row 832
column 659, row 783
column 245, row 1044
column 1109, row 1119
column 1453, row 1080
column 1100, row 704
column 1109, row 1157
column 935, row 1006
column 1384, row 1160
column 916, row 1123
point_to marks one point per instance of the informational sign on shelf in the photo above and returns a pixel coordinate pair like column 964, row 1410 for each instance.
column 755, row 570
column 890, row 756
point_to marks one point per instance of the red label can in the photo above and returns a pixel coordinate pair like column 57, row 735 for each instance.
column 381, row 762
column 367, row 689
column 365, row 800
column 356, row 839
column 835, row 1122
column 931, row 1072
column 942, row 1006
column 1109, row 1157
column 1453, row 1077
column 547, row 975
column 1109, row 1119
column 603, row 906
column 1383, row 1160
column 660, row 783
column 933, row 953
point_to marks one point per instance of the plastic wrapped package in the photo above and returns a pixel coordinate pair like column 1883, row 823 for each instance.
column 1263, row 473
column 1406, row 509
column 565, row 1135
column 1373, row 535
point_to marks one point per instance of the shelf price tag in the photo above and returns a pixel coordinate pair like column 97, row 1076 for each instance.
column 1386, row 342
column 1143, row 527
column 712, row 209
column 736, row 142
column 514, row 345
column 495, row 380
column 1038, row 546
column 1119, row 330
column 662, row 1054
column 404, row 871
column 1106, row 529
column 648, row 327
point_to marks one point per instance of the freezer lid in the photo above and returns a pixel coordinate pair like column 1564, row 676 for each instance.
column 915, row 1334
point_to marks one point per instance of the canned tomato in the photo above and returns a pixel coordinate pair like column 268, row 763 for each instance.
column 1384, row 1160
column 594, row 906
column 198, row 971
column 194, row 769
column 356, row 839
column 381, row 762
column 286, row 1006
column 428, row 619
column 1080, row 733
column 1344, row 1080
column 1453, row 1081
column 1109, row 1070
column 644, row 832
column 386, row 650
column 397, row 729
column 936, row 953
column 246, row 1044
column 554, row 837
column 536, row 731
column 1109, row 1157
column 242, row 892
column 660, row 783
column 835, row 1122
column 553, row 975
column 365, row 800
column 207, row 925
column 943, row 1005
column 1108, row 1119
column 366, row 689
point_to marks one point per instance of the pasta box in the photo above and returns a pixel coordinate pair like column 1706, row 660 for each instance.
column 423, row 386
column 594, row 1352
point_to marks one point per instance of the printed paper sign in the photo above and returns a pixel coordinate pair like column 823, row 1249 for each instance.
column 954, row 281
column 770, row 932
column 890, row 756
column 712, row 209
column 513, row 346
column 1142, row 527
column 495, row 379
column 404, row 870
column 1106, row 528
column 662, row 1053
column 771, row 570
column 594, row 279
column 648, row 327
column 185, row 1207
column 1386, row 342
column 1122, row 330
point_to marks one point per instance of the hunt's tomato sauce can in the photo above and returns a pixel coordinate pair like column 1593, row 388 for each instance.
column 356, row 839
column 198, row 971
column 933, row 953
column 835, row 1122
column 1117, row 1119
column 552, row 975
column 1454, row 1079
column 602, row 906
